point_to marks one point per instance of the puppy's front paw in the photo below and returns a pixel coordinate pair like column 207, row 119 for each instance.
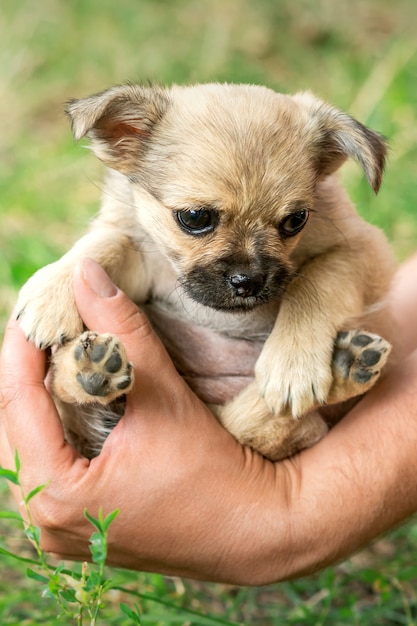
column 46, row 307
column 294, row 379
column 92, row 368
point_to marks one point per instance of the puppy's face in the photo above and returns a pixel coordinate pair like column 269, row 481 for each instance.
column 225, row 177
column 235, row 186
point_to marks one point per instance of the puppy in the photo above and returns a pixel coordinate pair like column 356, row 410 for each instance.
column 222, row 210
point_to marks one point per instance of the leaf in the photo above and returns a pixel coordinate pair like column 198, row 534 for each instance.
column 102, row 524
column 110, row 518
column 98, row 548
column 35, row 576
column 95, row 522
column 11, row 515
column 46, row 593
column 17, row 461
column 69, row 595
column 93, row 581
column 33, row 493
column 127, row 610
column 33, row 533
column 9, row 475
column 55, row 585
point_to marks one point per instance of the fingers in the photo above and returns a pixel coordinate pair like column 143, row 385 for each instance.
column 29, row 420
column 19, row 360
column 28, row 415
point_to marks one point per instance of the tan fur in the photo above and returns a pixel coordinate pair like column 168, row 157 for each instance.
column 255, row 159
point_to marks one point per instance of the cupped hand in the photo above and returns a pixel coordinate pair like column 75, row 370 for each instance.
column 168, row 466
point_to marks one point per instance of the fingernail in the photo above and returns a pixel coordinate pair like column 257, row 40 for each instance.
column 97, row 279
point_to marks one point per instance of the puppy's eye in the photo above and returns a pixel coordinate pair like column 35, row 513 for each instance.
column 197, row 221
column 292, row 224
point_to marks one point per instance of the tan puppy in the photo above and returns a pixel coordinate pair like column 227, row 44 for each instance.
column 222, row 210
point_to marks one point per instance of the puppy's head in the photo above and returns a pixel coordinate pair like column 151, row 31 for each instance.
column 224, row 176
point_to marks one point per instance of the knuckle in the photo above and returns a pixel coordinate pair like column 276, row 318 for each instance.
column 50, row 515
column 9, row 394
column 133, row 322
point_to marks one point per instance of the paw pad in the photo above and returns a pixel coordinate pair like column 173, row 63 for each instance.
column 94, row 384
column 359, row 356
column 103, row 369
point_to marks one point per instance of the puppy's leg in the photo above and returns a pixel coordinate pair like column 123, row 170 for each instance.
column 46, row 305
column 358, row 358
column 89, row 377
column 294, row 371
column 248, row 418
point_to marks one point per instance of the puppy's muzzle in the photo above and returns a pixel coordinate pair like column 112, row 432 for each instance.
column 230, row 287
column 246, row 285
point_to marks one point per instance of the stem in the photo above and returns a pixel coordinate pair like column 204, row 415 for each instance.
column 30, row 525
column 100, row 588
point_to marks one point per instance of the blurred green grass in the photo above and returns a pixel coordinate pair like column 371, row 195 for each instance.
column 361, row 55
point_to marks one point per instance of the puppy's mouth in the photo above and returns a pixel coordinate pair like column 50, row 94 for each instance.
column 236, row 288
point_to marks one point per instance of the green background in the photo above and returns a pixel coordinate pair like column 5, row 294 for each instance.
column 359, row 55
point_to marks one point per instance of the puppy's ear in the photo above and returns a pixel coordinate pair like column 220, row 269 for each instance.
column 119, row 122
column 337, row 136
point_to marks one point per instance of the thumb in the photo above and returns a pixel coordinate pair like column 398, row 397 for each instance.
column 106, row 309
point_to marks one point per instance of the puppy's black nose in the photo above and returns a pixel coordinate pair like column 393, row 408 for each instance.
column 245, row 285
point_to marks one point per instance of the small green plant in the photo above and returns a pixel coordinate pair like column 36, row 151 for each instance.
column 79, row 595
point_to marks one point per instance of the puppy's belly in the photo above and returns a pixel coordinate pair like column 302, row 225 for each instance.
column 215, row 366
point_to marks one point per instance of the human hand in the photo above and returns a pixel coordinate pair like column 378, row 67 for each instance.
column 168, row 465
column 192, row 501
